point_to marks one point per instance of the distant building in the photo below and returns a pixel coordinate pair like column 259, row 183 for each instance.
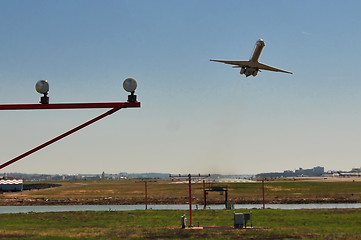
column 356, row 170
column 314, row 172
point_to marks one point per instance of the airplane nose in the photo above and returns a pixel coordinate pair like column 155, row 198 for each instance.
column 261, row 42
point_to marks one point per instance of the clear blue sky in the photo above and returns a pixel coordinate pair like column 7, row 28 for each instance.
column 197, row 116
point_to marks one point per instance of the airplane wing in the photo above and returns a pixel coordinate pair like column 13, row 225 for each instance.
column 235, row 63
column 249, row 64
column 269, row 68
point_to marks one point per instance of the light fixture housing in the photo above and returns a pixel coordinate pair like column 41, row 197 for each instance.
column 129, row 85
column 42, row 87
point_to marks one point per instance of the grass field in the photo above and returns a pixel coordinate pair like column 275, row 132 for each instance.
column 154, row 224
column 218, row 224
column 168, row 192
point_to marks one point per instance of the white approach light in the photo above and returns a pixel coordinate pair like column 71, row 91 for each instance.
column 129, row 85
column 42, row 87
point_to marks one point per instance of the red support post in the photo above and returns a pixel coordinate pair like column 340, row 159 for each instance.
column 146, row 195
column 190, row 200
column 263, row 194
column 189, row 176
column 204, row 194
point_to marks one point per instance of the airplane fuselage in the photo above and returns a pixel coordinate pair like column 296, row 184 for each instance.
column 258, row 47
column 257, row 50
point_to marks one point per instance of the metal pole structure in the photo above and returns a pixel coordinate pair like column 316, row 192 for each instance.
column 145, row 191
column 146, row 195
column 226, row 197
column 263, row 193
column 190, row 200
column 115, row 107
column 189, row 176
column 204, row 194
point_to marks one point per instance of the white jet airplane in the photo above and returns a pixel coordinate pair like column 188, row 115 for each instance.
column 252, row 66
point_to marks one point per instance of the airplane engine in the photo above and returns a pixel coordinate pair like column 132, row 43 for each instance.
column 255, row 73
column 249, row 72
column 243, row 70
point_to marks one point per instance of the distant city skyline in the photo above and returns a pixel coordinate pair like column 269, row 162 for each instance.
column 138, row 174
column 196, row 116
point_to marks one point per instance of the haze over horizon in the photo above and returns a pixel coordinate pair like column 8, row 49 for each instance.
column 197, row 116
column 157, row 174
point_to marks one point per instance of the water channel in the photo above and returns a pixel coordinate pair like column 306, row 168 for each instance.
column 77, row 208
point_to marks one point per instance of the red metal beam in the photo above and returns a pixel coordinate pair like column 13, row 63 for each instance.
column 69, row 105
column 114, row 105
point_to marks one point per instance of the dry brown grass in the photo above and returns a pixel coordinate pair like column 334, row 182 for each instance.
column 168, row 192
